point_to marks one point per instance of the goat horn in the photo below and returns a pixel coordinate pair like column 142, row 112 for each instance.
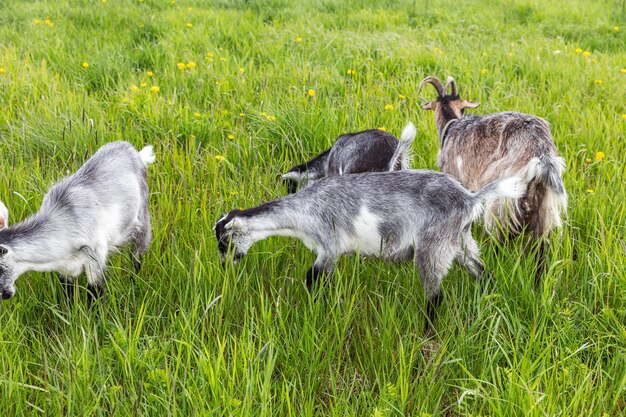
column 452, row 84
column 435, row 82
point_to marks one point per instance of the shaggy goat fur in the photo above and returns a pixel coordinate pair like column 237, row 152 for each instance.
column 82, row 218
column 481, row 149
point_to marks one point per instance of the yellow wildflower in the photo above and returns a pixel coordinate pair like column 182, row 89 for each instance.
column 154, row 89
column 599, row 155
column 150, row 74
column 578, row 50
column 181, row 66
column 189, row 9
column 144, row 84
column 484, row 71
column 351, row 72
column 624, row 116
column 311, row 93
column 222, row 58
column 271, row 118
column 401, row 97
column 197, row 114
column 37, row 21
column 231, row 136
column 189, row 25
column 616, row 28
column 48, row 22
column 388, row 106
column 242, row 114
column 242, row 70
column 103, row 1
column 589, row 191
column 439, row 51
column 210, row 55
column 85, row 64
column 134, row 88
column 623, row 70
column 510, row 54
column 190, row 65
column 382, row 129
column 219, row 158
column 587, row 54
column 587, row 160
column 298, row 39
column 598, row 81
column 263, row 114
column 2, row 70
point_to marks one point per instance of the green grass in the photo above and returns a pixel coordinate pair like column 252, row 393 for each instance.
column 187, row 337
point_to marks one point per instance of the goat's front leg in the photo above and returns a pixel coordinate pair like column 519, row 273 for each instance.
column 323, row 265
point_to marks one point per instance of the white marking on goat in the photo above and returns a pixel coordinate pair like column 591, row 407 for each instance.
column 367, row 236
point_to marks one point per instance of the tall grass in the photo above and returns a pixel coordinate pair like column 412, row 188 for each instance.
column 188, row 337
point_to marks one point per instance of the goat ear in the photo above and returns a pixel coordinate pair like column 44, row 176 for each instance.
column 3, row 251
column 235, row 224
column 469, row 104
column 428, row 106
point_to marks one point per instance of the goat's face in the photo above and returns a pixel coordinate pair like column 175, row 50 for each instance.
column 7, row 273
column 446, row 106
column 228, row 231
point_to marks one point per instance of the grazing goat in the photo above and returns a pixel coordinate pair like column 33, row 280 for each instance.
column 82, row 218
column 480, row 149
column 401, row 215
column 367, row 151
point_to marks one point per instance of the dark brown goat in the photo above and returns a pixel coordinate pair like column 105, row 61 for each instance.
column 481, row 149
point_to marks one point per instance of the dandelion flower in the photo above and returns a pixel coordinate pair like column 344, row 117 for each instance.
column 382, row 129
column 510, row 54
column 150, row 74
column 134, row 88
column 219, row 158
column 144, row 84
column 271, row 118
column 210, row 55
column 401, row 97
column 222, row 59
column 263, row 114
column 484, row 71
column 196, row 114
column 103, row 1
column 298, row 39
column 587, row 160
column 589, row 191
column 242, row 70
column 311, row 93
column 598, row 81
column 242, row 114
column 190, row 65
column 587, row 54
column 85, row 64
column 439, row 51
column 48, row 22
column 578, row 50
column 616, row 28
column 623, row 70
column 388, row 106
column 37, row 21
column 189, row 9
column 189, row 25
column 624, row 116
column 181, row 66
column 2, row 70
column 351, row 72
column 599, row 155
column 231, row 136
column 154, row 89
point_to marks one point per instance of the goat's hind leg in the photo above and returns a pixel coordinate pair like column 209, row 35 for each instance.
column 141, row 240
column 469, row 256
column 323, row 265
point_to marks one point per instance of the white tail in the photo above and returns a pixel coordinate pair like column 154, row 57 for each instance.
column 147, row 155
column 513, row 188
column 403, row 150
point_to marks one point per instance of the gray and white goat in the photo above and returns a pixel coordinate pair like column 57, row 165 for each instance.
column 367, row 151
column 481, row 149
column 410, row 214
column 82, row 218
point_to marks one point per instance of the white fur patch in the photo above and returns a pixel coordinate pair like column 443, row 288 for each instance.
column 367, row 237
column 459, row 163
column 147, row 155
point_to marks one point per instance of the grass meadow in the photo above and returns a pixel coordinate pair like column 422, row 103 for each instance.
column 231, row 94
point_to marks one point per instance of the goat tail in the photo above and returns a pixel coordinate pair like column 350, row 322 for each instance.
column 402, row 153
column 147, row 155
column 512, row 187
column 546, row 172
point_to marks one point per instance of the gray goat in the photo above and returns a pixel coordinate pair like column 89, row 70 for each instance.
column 480, row 149
column 401, row 215
column 82, row 218
column 367, row 151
